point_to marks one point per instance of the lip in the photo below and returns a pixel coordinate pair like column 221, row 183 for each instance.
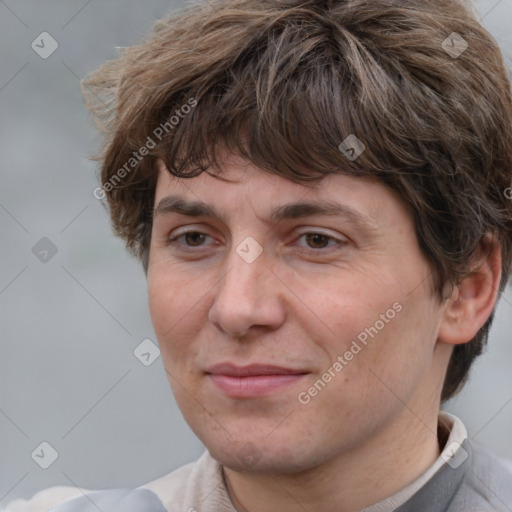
column 249, row 370
column 253, row 380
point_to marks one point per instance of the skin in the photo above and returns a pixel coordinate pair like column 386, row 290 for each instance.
column 372, row 429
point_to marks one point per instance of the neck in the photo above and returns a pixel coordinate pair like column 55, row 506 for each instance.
column 349, row 481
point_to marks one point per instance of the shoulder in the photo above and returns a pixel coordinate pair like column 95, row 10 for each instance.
column 488, row 482
column 43, row 500
column 174, row 484
column 198, row 485
column 68, row 499
column 160, row 495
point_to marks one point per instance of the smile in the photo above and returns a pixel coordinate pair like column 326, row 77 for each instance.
column 254, row 385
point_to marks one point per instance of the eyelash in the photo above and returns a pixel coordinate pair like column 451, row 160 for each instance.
column 174, row 241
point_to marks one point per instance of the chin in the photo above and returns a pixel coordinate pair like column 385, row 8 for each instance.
column 254, row 456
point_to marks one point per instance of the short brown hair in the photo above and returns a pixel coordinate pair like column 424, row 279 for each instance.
column 283, row 83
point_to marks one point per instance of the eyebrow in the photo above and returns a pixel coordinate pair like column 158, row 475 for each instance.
column 176, row 204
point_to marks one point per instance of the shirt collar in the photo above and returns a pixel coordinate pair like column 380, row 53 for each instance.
column 448, row 426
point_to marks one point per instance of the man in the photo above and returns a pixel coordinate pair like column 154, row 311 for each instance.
column 318, row 194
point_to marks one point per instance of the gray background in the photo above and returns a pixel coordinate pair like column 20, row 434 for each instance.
column 69, row 326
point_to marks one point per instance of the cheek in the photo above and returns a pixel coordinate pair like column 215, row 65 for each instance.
column 175, row 312
column 394, row 355
column 378, row 330
column 174, row 305
column 346, row 309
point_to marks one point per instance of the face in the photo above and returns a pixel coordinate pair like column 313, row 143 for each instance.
column 338, row 300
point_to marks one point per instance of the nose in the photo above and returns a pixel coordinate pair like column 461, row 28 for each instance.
column 249, row 295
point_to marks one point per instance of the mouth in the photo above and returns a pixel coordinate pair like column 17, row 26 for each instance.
column 253, row 380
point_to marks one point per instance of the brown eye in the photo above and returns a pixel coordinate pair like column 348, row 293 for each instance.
column 189, row 239
column 194, row 238
column 318, row 243
column 317, row 240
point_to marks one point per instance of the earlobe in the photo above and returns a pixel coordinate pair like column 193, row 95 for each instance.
column 473, row 300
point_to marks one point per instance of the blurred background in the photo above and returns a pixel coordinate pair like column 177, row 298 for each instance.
column 79, row 402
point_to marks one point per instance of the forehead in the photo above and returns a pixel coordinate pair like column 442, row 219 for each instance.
column 273, row 197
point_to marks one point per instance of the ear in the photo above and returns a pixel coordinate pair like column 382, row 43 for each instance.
column 473, row 300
